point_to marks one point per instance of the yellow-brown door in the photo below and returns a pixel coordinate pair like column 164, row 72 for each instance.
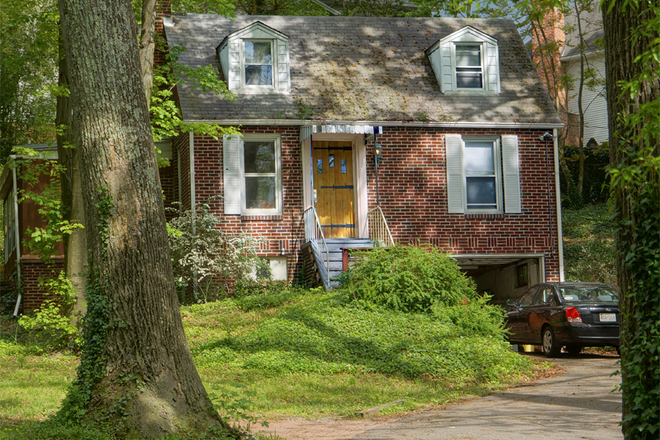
column 333, row 185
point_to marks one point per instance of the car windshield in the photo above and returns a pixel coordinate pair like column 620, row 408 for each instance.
column 588, row 294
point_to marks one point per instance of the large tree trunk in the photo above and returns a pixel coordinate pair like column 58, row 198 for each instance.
column 633, row 149
column 136, row 368
column 75, row 244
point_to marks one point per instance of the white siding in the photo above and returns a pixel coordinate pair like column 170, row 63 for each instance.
column 594, row 102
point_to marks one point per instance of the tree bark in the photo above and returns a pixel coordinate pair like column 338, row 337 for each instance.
column 75, row 244
column 147, row 46
column 636, row 209
column 136, row 368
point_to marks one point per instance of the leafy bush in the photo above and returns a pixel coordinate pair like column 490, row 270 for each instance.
column 408, row 279
column 50, row 325
column 206, row 261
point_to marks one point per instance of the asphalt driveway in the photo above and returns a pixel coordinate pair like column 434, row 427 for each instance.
column 578, row 404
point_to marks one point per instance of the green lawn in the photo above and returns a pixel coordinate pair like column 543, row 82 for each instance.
column 298, row 353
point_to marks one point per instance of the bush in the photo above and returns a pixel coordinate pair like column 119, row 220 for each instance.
column 206, row 261
column 408, row 279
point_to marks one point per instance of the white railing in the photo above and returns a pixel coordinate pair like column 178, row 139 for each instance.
column 314, row 234
column 379, row 232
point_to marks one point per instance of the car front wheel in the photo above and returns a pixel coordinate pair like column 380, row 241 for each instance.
column 550, row 346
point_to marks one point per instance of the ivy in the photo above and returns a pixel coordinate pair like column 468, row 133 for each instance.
column 95, row 328
column 635, row 193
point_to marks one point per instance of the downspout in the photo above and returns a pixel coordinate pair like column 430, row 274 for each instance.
column 19, row 275
column 178, row 176
column 560, row 233
column 193, row 202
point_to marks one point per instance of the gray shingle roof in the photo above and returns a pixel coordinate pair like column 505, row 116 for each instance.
column 363, row 69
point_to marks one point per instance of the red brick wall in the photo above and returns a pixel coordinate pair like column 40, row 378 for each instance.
column 283, row 234
column 32, row 270
column 413, row 195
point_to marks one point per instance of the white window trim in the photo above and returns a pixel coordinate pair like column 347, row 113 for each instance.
column 234, row 175
column 507, row 166
column 497, row 156
column 273, row 64
column 455, row 67
column 278, row 174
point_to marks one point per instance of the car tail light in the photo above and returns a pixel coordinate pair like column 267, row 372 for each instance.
column 572, row 315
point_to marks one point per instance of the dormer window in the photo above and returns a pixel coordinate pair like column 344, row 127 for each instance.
column 466, row 62
column 258, row 61
column 469, row 68
column 255, row 59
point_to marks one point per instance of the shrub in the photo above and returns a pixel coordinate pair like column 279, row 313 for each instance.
column 50, row 325
column 206, row 261
column 408, row 279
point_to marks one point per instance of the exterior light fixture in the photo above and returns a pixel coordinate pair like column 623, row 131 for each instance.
column 378, row 150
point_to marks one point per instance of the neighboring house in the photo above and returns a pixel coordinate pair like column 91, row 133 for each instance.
column 572, row 57
column 22, row 267
column 437, row 123
column 594, row 98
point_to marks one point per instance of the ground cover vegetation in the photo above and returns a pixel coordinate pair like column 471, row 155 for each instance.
column 302, row 352
column 589, row 249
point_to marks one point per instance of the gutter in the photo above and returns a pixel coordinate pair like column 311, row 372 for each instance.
column 577, row 56
column 19, row 274
column 560, row 232
column 418, row 124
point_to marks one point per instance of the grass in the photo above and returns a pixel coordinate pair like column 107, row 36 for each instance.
column 302, row 353
column 589, row 251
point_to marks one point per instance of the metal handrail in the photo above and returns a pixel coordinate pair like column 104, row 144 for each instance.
column 314, row 234
column 379, row 231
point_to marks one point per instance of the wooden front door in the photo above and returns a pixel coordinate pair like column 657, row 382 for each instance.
column 333, row 185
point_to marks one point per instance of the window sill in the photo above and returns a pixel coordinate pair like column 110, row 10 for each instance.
column 475, row 92
column 261, row 217
column 484, row 216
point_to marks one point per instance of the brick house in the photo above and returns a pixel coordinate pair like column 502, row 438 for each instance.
column 358, row 129
column 22, row 268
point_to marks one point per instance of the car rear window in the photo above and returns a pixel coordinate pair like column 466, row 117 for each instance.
column 577, row 294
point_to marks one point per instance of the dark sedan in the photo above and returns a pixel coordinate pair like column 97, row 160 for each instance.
column 571, row 315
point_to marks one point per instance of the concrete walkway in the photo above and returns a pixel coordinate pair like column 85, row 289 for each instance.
column 578, row 404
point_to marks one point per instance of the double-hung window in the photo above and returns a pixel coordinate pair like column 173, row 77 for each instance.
column 469, row 66
column 483, row 174
column 258, row 63
column 252, row 175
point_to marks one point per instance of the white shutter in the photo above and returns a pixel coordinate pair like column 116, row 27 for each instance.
column 283, row 76
column 511, row 169
column 492, row 67
column 231, row 157
column 447, row 75
column 454, row 152
column 234, row 56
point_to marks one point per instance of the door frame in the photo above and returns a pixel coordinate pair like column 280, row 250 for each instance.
column 359, row 175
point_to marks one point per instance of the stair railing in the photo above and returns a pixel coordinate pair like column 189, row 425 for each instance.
column 314, row 234
column 379, row 231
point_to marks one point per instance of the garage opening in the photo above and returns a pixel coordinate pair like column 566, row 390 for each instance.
column 503, row 276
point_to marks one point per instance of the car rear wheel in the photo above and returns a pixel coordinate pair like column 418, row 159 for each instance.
column 574, row 349
column 550, row 346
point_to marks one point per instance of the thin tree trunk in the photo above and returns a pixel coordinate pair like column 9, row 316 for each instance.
column 147, row 46
column 75, row 244
column 136, row 368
